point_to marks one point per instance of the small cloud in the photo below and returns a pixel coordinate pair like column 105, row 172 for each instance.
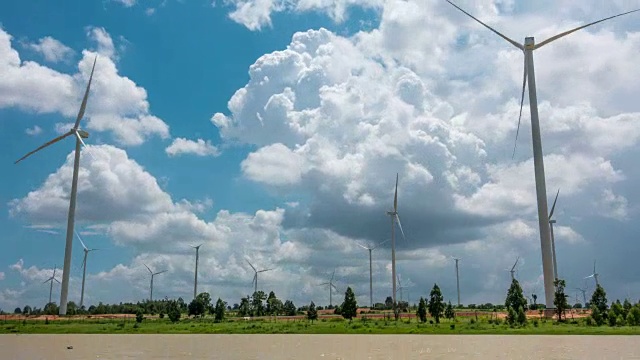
column 292, row 204
column 1, row 275
column 150, row 11
column 34, row 131
column 104, row 41
column 52, row 49
column 126, row 3
column 181, row 146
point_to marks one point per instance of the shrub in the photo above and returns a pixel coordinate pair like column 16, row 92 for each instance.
column 161, row 315
column 535, row 323
column 139, row 316
column 452, row 326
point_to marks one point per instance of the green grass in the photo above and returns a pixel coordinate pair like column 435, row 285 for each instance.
column 332, row 326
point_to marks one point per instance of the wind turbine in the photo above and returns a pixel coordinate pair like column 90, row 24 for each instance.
column 553, row 242
column 152, row 275
column 394, row 217
column 331, row 287
column 371, row 268
column 513, row 269
column 543, row 221
column 255, row 276
column 584, row 294
column 51, row 280
column 84, row 266
column 195, row 282
column 79, row 134
column 594, row 274
column 457, row 279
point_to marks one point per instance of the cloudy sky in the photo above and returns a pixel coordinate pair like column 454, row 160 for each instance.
column 272, row 131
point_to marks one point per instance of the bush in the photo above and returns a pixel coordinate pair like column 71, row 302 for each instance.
column 161, row 315
column 139, row 316
column 452, row 326
column 535, row 323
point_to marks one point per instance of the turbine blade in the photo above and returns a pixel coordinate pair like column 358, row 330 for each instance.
column 556, row 37
column 514, row 43
column 86, row 96
column 265, row 270
column 145, row 265
column 516, row 263
column 594, row 267
column 79, row 238
column 400, row 226
column 590, row 276
column 84, row 145
column 160, row 272
column 334, row 274
column 333, row 286
column 381, row 243
column 554, row 204
column 254, row 269
column 46, row 281
column 44, row 146
column 58, row 281
column 524, row 84
column 362, row 246
column 395, row 198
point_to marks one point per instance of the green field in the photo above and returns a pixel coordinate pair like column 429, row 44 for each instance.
column 324, row 326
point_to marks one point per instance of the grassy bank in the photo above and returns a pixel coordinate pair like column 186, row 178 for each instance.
column 324, row 326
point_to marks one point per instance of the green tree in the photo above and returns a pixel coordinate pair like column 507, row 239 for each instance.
column 26, row 310
column 50, row 309
column 388, row 303
column 289, row 308
column 245, row 307
column 139, row 315
column 633, row 319
column 626, row 307
column 219, row 310
column 448, row 312
column 173, row 310
column 436, row 303
column 257, row 305
column 270, row 299
column 599, row 300
column 515, row 300
column 560, row 299
column 17, row 310
column 312, row 313
column 349, row 306
column 72, row 308
column 596, row 315
column 422, row 310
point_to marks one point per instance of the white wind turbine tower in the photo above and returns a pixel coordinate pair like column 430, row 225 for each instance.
column 152, row 275
column 541, row 191
column 51, row 280
column 457, row 278
column 195, row 281
column 394, row 217
column 255, row 276
column 553, row 241
column 594, row 275
column 79, row 134
column 331, row 287
column 84, row 266
column 371, row 268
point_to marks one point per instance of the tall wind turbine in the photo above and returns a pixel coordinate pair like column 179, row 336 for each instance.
column 255, row 276
column 541, row 191
column 513, row 269
column 51, row 280
column 553, row 242
column 457, row 279
column 371, row 268
column 152, row 275
column 331, row 287
column 584, row 295
column 195, row 281
column 79, row 134
column 394, row 217
column 594, row 275
column 84, row 266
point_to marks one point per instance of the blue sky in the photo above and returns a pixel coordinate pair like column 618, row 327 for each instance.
column 273, row 133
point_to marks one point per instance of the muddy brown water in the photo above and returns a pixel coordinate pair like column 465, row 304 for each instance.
column 324, row 347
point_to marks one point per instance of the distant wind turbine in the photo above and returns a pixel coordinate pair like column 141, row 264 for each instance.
column 152, row 275
column 51, row 280
column 331, row 287
column 553, row 242
column 513, row 269
column 371, row 268
column 195, row 281
column 84, row 266
column 79, row 134
column 541, row 192
column 255, row 276
column 394, row 217
column 457, row 279
column 594, row 275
